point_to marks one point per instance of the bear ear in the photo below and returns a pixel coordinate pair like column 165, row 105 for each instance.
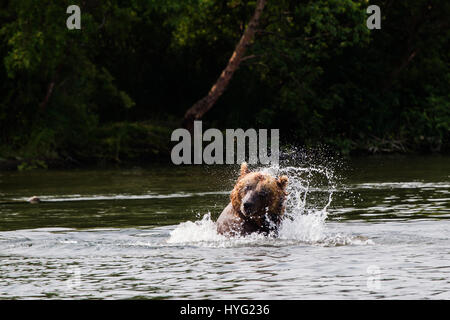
column 282, row 182
column 244, row 169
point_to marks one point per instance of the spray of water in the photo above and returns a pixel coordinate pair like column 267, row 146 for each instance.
column 310, row 194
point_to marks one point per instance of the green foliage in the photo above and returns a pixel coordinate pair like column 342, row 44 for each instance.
column 314, row 70
column 132, row 141
column 42, row 52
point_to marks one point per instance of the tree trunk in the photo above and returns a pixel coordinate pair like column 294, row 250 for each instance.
column 44, row 102
column 50, row 89
column 203, row 105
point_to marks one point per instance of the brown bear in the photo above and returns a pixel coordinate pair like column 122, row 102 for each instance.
column 257, row 204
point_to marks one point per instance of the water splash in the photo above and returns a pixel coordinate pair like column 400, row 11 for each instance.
column 310, row 194
column 198, row 231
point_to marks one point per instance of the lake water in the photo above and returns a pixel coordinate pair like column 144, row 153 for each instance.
column 365, row 228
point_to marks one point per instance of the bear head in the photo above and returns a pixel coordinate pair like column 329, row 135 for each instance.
column 259, row 195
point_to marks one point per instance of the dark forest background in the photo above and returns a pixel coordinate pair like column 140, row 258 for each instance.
column 114, row 90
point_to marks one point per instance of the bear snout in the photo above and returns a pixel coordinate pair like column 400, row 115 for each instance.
column 249, row 207
column 248, row 204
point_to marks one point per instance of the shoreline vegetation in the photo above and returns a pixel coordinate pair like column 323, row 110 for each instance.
column 112, row 92
column 126, row 144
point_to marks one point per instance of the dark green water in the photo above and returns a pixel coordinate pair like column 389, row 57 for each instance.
column 146, row 233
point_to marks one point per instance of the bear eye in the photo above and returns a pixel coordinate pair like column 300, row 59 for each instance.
column 247, row 187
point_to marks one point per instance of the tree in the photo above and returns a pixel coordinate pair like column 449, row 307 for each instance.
column 206, row 103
